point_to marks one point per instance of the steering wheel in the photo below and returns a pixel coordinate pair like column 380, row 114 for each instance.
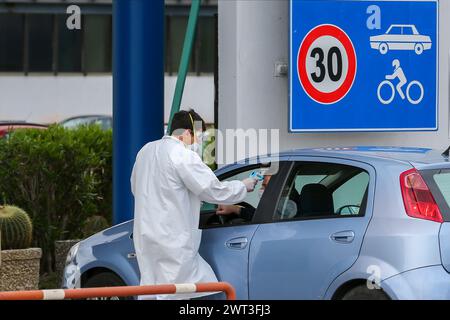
column 352, row 208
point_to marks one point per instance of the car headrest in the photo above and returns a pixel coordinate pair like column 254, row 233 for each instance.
column 316, row 200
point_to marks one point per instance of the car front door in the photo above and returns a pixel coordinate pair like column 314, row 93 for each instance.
column 315, row 232
column 226, row 242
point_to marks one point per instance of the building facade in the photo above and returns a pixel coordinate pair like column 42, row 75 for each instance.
column 49, row 72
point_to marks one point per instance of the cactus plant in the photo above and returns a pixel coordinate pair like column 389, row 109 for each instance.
column 93, row 225
column 15, row 227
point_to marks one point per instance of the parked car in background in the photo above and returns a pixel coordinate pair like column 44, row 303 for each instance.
column 333, row 223
column 401, row 37
column 6, row 127
column 104, row 121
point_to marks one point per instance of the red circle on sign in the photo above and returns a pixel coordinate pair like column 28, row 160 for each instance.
column 342, row 37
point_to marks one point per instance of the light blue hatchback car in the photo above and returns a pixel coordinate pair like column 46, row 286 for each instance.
column 332, row 223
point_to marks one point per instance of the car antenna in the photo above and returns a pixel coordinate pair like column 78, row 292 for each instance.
column 446, row 152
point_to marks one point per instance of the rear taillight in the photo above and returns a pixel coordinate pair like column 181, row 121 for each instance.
column 417, row 197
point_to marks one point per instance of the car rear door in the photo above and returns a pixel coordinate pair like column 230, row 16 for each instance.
column 298, row 256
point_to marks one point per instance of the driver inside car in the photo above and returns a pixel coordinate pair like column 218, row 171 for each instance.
column 242, row 212
column 246, row 212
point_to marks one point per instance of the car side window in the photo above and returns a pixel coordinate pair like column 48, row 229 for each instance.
column 347, row 198
column 252, row 198
column 245, row 209
column 407, row 31
column 323, row 190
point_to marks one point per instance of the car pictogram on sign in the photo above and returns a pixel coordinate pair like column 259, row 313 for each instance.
column 401, row 37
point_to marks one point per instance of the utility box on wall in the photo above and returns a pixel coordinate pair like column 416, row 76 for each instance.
column 364, row 65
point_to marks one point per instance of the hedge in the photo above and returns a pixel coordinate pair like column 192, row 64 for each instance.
column 60, row 177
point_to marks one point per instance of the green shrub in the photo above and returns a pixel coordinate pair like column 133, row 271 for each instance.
column 16, row 228
column 60, row 177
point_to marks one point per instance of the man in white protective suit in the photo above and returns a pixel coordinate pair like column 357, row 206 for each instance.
column 169, row 181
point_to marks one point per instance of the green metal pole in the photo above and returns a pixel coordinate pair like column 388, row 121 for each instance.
column 185, row 57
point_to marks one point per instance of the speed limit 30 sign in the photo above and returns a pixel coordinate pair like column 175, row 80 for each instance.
column 326, row 64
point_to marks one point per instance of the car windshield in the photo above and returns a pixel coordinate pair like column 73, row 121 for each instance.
column 104, row 122
column 73, row 123
column 394, row 30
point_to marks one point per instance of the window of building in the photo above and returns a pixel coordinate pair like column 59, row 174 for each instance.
column 203, row 51
column 40, row 42
column 11, row 42
column 206, row 42
column 98, row 43
column 175, row 40
column 68, row 57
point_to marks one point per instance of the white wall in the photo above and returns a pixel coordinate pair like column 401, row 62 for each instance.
column 198, row 94
column 253, row 35
column 46, row 99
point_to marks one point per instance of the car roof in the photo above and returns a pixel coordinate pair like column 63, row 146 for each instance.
column 87, row 116
column 402, row 25
column 412, row 155
column 21, row 124
column 418, row 157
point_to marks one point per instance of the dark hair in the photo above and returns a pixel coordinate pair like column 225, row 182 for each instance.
column 182, row 120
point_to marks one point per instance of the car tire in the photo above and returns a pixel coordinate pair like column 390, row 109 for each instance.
column 364, row 293
column 383, row 48
column 105, row 279
column 418, row 48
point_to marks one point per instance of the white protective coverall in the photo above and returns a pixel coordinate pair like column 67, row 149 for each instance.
column 168, row 182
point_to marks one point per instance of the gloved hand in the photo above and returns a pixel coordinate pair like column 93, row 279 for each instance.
column 250, row 184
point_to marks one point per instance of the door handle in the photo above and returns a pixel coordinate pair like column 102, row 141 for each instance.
column 343, row 236
column 237, row 243
column 131, row 256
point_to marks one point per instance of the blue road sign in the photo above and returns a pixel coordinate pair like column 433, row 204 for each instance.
column 363, row 65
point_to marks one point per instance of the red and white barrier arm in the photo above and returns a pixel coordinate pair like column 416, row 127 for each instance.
column 84, row 293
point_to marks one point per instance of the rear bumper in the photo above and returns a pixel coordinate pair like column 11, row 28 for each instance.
column 429, row 283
